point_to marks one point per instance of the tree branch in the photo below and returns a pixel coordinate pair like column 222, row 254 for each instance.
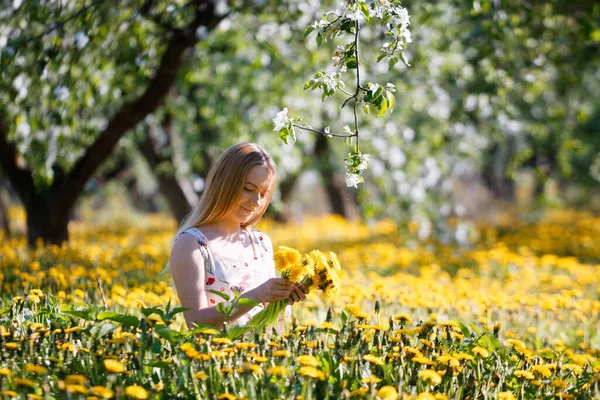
column 323, row 132
column 134, row 112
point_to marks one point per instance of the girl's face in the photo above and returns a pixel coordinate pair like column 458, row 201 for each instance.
column 254, row 194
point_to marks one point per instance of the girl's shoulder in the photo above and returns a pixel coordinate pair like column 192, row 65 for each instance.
column 196, row 234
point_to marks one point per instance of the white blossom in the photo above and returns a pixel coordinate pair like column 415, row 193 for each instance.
column 352, row 180
column 81, row 39
column 281, row 120
column 62, row 93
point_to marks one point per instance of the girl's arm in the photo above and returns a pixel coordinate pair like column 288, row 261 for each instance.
column 189, row 276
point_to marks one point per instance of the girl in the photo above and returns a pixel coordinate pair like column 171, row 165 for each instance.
column 217, row 248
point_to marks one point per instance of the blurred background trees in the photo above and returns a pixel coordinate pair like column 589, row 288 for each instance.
column 147, row 93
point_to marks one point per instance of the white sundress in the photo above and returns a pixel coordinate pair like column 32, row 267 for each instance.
column 224, row 274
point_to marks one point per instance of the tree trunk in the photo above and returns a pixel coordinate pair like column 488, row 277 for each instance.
column 494, row 175
column 47, row 222
column 341, row 201
column 4, row 218
column 178, row 192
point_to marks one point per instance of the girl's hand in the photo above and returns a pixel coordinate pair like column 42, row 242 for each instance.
column 298, row 293
column 272, row 290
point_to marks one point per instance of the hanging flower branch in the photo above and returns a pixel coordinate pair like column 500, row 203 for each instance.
column 379, row 97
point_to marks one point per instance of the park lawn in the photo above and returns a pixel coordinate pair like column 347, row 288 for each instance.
column 515, row 315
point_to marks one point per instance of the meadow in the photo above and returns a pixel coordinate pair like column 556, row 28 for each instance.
column 513, row 316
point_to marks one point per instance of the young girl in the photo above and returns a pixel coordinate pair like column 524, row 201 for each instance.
column 217, row 248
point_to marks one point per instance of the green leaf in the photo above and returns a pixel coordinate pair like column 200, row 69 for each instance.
column 381, row 57
column 128, row 320
column 384, row 107
column 223, row 295
column 244, row 301
column 365, row 10
column 178, row 310
column 169, row 334
column 158, row 364
column 152, row 310
column 308, row 30
column 99, row 331
column 80, row 313
column 320, row 39
column 391, row 99
column 463, row 328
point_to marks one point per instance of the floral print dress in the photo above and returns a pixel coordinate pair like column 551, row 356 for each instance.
column 227, row 274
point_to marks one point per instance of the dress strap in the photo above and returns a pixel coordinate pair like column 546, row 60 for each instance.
column 204, row 249
column 257, row 238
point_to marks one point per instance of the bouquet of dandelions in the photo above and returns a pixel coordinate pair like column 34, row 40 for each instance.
column 315, row 270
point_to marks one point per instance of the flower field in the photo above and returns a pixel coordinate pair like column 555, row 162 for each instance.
column 515, row 316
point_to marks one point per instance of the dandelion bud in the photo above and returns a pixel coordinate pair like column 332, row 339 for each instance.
column 329, row 315
column 497, row 327
column 377, row 307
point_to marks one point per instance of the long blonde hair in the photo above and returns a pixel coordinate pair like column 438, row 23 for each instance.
column 224, row 184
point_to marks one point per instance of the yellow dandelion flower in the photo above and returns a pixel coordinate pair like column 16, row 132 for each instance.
column 226, row 396
column 75, row 379
column 33, row 298
column 244, row 346
column 102, row 392
column 11, row 346
column 524, row 374
column 68, row 346
column 480, row 351
column 311, row 372
column 404, row 319
column 359, row 392
column 186, row 347
column 286, row 258
column 35, row 369
column 278, row 371
column 422, row 360
column 430, row 376
column 74, row 388
column 114, row 366
column 506, row 396
column 158, row 387
column 307, row 360
column 374, row 359
column 541, row 370
column 449, row 361
column 221, row 341
column 425, row 396
column 282, row 353
column 371, row 379
column 5, row 372
column 226, row 371
column 24, row 382
column 136, row 392
column 201, row 375
column 9, row 393
column 210, row 332
column 387, row 393
column 251, row 368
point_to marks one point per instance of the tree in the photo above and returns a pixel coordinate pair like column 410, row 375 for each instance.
column 47, row 165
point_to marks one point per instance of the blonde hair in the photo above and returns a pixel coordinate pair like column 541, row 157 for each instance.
column 224, row 184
